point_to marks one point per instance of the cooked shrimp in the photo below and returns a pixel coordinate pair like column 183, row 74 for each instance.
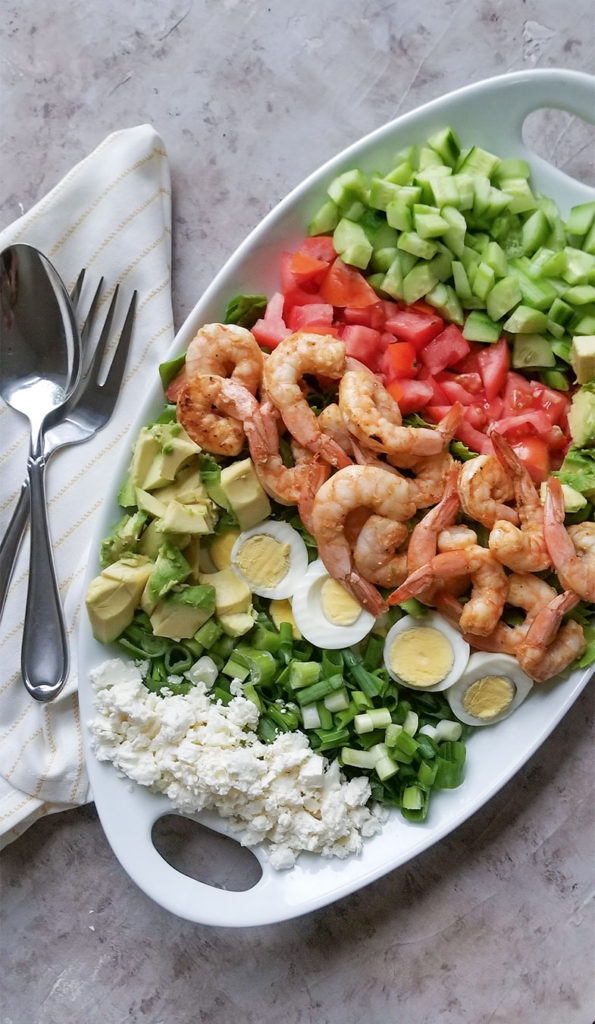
column 332, row 422
column 455, row 538
column 224, row 349
column 423, row 540
column 218, row 413
column 292, row 485
column 375, row 555
column 548, row 649
column 484, row 608
column 375, row 419
column 520, row 548
column 284, row 369
column 572, row 551
column 484, row 486
column 349, row 490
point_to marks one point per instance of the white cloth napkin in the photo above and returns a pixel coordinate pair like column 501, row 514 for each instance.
column 112, row 215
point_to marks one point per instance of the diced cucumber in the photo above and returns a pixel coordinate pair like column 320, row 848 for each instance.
column 580, row 294
column 347, row 187
column 383, row 258
column 535, row 231
column 418, row 282
column 325, row 219
column 428, row 158
column 530, row 350
column 539, row 294
column 560, row 312
column 401, row 174
column 447, row 145
column 411, row 242
column 465, row 190
column 555, row 379
column 484, row 279
column 446, row 301
column 522, row 199
column 504, row 296
column 445, row 190
column 511, row 167
column 526, row 320
column 479, row 161
column 589, row 241
column 454, row 236
column 584, row 324
column 383, row 192
column 385, row 236
column 392, row 282
column 480, row 327
column 461, row 281
column 352, row 243
column 489, row 201
column 562, row 348
column 428, row 222
column 495, row 257
column 399, row 215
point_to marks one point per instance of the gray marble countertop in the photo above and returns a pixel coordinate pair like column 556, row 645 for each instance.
column 493, row 925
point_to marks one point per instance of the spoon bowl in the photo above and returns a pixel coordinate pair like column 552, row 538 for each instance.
column 40, row 357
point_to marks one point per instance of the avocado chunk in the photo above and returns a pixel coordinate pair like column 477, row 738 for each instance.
column 155, row 536
column 220, row 548
column 113, row 596
column 231, row 593
column 123, row 537
column 191, row 519
column 150, row 503
column 182, row 612
column 581, row 418
column 187, row 487
column 159, row 453
column 246, row 497
column 573, row 500
column 237, row 624
column 583, row 357
column 169, row 569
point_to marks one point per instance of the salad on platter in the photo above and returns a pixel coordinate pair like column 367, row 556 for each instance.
column 362, row 525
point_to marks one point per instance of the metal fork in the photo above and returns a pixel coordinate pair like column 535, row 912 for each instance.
column 87, row 411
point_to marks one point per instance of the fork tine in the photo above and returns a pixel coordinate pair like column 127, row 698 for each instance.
column 92, row 369
column 115, row 374
column 90, row 317
column 76, row 291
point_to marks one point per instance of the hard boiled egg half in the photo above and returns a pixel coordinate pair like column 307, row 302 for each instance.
column 325, row 613
column 490, row 689
column 425, row 653
column 271, row 558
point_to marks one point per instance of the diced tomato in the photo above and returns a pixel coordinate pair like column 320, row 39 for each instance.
column 411, row 395
column 439, row 398
column 402, row 357
column 477, row 416
column 370, row 316
column 476, row 440
column 518, row 394
column 314, row 313
column 555, row 404
column 534, row 453
column 320, row 247
column 471, row 382
column 451, row 385
column 437, row 412
column 345, row 286
column 363, row 343
column 418, row 328
column 307, row 268
column 271, row 328
column 470, row 362
column 446, row 348
column 494, row 364
column 389, row 308
column 323, row 329
column 516, row 426
column 423, row 307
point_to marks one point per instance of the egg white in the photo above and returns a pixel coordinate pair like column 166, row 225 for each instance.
column 313, row 623
column 298, row 558
column 480, row 665
column 432, row 620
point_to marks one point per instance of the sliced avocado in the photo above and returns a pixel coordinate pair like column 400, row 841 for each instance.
column 150, row 503
column 181, row 613
column 146, row 448
column 236, row 624
column 127, row 493
column 159, row 452
column 231, row 593
column 246, row 497
column 191, row 519
column 581, row 418
column 170, row 568
column 220, row 548
column 155, row 536
column 186, row 488
column 583, row 357
column 573, row 499
column 113, row 597
column 123, row 537
column 192, row 554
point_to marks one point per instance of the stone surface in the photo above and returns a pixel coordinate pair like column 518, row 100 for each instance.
column 494, row 924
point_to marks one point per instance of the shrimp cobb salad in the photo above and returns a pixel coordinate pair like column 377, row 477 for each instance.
column 366, row 507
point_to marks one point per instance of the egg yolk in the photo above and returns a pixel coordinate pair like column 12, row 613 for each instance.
column 421, row 656
column 338, row 606
column 488, row 696
column 263, row 560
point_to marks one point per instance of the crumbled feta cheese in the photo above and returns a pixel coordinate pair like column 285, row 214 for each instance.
column 207, row 755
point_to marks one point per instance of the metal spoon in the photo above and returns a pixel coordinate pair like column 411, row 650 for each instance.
column 39, row 366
